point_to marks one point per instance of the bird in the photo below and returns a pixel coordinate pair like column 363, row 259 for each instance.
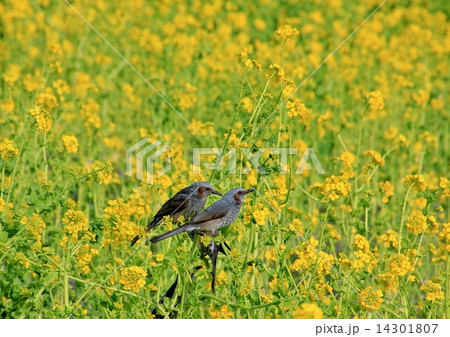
column 187, row 203
column 217, row 216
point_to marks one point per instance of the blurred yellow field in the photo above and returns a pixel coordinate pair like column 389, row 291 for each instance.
column 360, row 90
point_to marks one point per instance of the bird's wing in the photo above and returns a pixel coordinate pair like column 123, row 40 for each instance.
column 213, row 212
column 176, row 204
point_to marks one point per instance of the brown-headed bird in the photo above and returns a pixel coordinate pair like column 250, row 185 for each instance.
column 217, row 216
column 187, row 203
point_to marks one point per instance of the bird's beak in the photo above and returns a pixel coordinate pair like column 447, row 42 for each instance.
column 216, row 192
column 250, row 190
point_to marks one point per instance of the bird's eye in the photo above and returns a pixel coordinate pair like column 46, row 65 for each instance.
column 240, row 192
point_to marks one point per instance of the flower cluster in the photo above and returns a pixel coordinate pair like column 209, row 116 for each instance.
column 370, row 299
column 75, row 223
column 133, row 278
column 8, row 150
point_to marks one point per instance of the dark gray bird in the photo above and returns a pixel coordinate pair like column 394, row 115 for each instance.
column 217, row 216
column 188, row 202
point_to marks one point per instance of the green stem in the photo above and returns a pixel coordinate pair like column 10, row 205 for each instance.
column 402, row 220
column 447, row 291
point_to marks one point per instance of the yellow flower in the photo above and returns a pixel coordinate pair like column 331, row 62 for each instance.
column 333, row 188
column 347, row 158
column 278, row 71
column 433, row 291
column 444, row 183
column 308, row 311
column 12, row 73
column 247, row 104
column 101, row 171
column 399, row 265
column 270, row 254
column 222, row 278
column 74, row 222
column 84, row 256
column 375, row 156
column 42, row 118
column 297, row 227
column 8, row 150
column 376, row 101
column 432, row 224
column 416, row 182
column 370, row 300
column 421, row 97
column 417, row 223
column 30, row 82
column 226, row 313
column 259, row 24
column 46, row 100
column 260, row 216
column 297, row 109
column 35, row 226
column 390, row 238
column 70, row 143
column 7, row 105
column 388, row 189
column 286, row 32
column 133, row 278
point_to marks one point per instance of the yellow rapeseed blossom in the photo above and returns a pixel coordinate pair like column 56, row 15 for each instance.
column 35, row 226
column 42, row 118
column 364, row 257
column 417, row 223
column 297, row 227
column 444, row 183
column 443, row 250
column 347, row 158
column 12, row 74
column 101, row 171
column 333, row 188
column 370, row 299
column 433, row 291
column 376, row 157
column 286, row 32
column 84, row 256
column 375, row 100
column 133, row 278
column 270, row 254
column 297, row 109
column 70, row 143
column 8, row 150
column 308, row 311
column 416, row 182
column 388, row 189
column 46, row 100
column 8, row 105
column 399, row 265
column 260, row 216
column 74, row 222
column 390, row 238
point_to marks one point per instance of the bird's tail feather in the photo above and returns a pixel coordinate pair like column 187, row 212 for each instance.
column 135, row 239
column 155, row 222
column 173, row 232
